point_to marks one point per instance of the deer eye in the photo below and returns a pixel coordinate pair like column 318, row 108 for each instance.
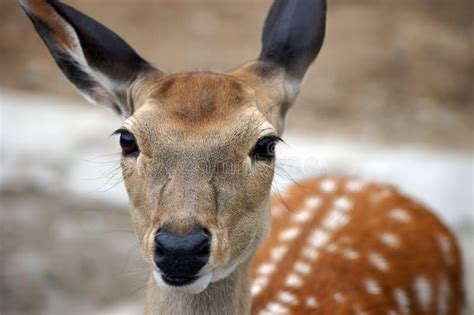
column 264, row 149
column 127, row 143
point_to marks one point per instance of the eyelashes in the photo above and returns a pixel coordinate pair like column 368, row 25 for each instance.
column 264, row 149
column 128, row 143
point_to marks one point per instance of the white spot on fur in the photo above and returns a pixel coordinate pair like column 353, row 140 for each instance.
column 256, row 289
column 287, row 298
column 378, row 261
column 335, row 220
column 401, row 298
column 313, row 202
column 311, row 302
column 328, row 186
column 302, row 267
column 258, row 284
column 261, row 280
column 445, row 247
column 443, row 295
column 277, row 253
column 400, row 215
column 289, row 234
column 389, row 239
column 266, row 269
column 300, row 217
column 343, row 203
column 318, row 238
column 355, row 185
column 277, row 308
column 310, row 253
column 422, row 288
column 372, row 286
column 338, row 297
column 350, row 254
column 293, row 280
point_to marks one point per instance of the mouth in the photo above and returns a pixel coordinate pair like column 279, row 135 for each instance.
column 191, row 285
column 177, row 281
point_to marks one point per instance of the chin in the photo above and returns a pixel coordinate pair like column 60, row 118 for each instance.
column 196, row 286
column 221, row 273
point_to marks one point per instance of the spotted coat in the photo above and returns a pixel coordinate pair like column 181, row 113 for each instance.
column 343, row 246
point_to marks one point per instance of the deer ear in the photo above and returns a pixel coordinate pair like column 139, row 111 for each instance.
column 292, row 38
column 100, row 64
column 293, row 34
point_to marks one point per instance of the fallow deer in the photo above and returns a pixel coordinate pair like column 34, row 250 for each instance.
column 198, row 162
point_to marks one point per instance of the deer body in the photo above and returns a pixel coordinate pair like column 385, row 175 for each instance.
column 198, row 157
column 344, row 246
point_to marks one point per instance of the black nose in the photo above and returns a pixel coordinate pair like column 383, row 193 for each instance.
column 180, row 257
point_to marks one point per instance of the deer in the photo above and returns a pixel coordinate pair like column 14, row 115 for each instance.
column 198, row 160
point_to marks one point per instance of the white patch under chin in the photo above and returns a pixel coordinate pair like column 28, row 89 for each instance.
column 220, row 274
column 197, row 286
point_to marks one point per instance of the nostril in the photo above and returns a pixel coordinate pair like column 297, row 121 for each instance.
column 204, row 250
column 159, row 251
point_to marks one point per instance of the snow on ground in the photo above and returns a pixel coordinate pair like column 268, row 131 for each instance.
column 67, row 149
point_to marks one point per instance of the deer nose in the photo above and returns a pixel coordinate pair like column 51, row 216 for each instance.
column 181, row 257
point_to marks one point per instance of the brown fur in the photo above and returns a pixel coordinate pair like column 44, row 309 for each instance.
column 198, row 98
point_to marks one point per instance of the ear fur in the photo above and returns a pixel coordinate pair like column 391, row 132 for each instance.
column 100, row 64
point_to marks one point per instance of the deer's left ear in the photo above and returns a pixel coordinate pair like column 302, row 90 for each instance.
column 292, row 38
column 97, row 61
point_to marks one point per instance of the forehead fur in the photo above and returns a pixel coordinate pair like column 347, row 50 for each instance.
column 197, row 98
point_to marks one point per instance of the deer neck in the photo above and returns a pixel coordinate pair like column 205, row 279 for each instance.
column 228, row 296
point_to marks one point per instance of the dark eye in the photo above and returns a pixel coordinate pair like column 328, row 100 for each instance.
column 128, row 143
column 264, row 150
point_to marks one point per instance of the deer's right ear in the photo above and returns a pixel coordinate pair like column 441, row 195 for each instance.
column 97, row 61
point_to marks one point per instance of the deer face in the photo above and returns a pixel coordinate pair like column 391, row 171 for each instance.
column 198, row 167
column 197, row 148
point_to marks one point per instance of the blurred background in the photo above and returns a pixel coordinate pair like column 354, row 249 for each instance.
column 390, row 98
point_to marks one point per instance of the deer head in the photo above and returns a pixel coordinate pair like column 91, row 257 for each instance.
column 198, row 148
